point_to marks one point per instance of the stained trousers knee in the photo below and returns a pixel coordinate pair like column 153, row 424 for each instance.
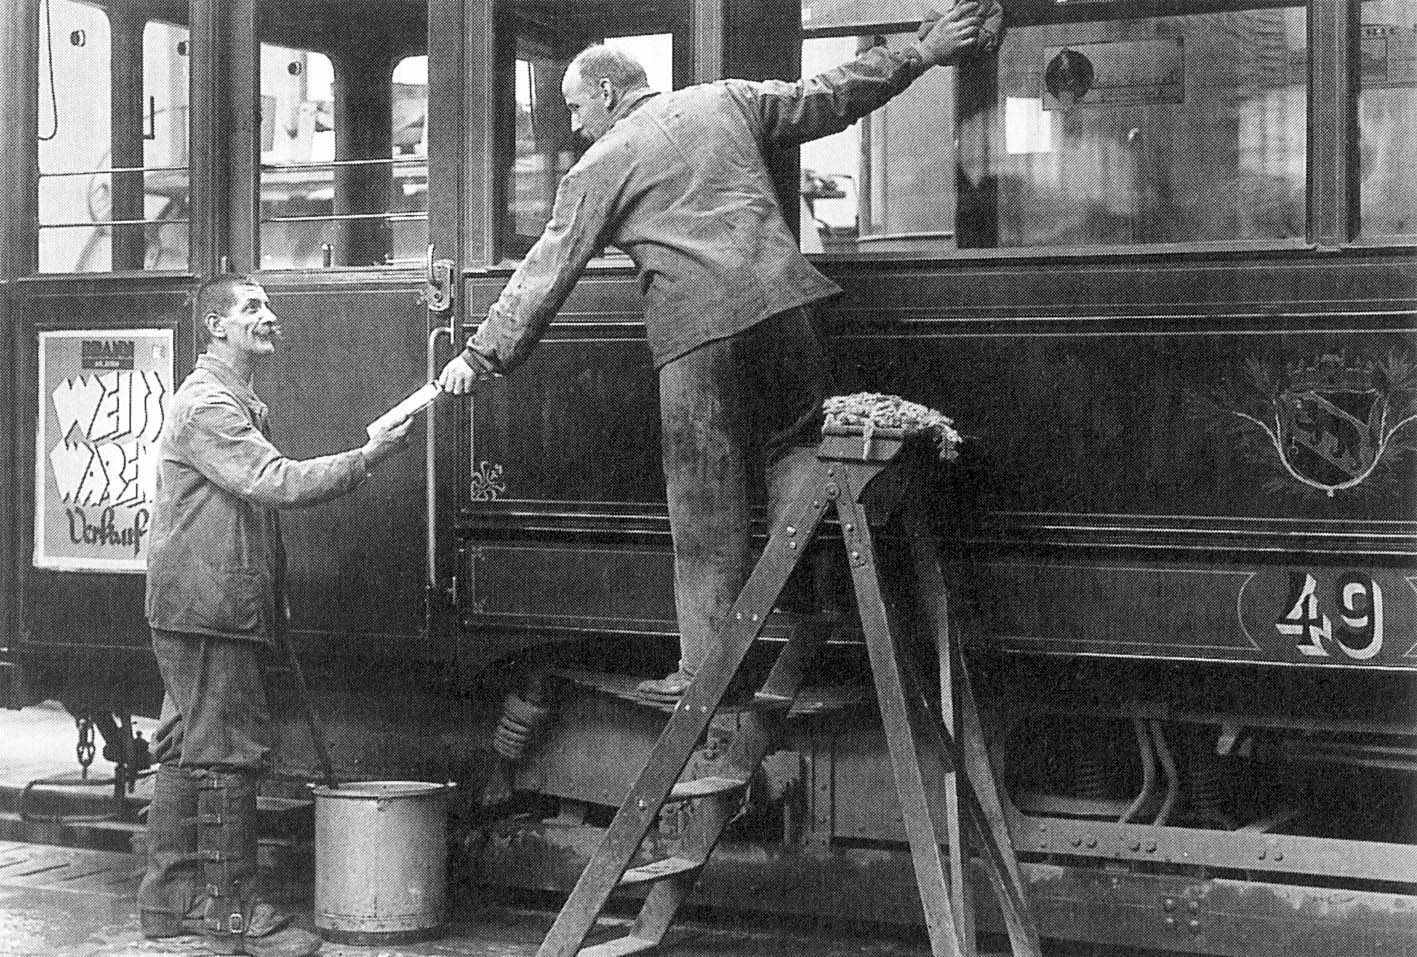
column 728, row 409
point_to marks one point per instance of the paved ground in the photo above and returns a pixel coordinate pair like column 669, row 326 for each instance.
column 65, row 902
column 60, row 902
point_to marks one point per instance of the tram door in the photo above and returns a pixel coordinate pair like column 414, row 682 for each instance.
column 170, row 141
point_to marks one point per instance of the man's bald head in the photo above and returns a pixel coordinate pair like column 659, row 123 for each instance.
column 595, row 82
column 600, row 62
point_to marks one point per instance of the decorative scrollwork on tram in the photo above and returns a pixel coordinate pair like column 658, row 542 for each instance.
column 487, row 483
column 1329, row 423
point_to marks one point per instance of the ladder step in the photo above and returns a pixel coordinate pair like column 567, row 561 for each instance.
column 767, row 701
column 705, row 787
column 659, row 870
column 619, row 947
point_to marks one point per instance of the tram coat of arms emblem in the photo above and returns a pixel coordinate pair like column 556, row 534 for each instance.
column 1324, row 424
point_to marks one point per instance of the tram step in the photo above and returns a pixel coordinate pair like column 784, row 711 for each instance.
column 705, row 787
column 659, row 870
column 618, row 947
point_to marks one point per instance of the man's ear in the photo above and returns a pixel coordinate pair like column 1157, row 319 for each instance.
column 608, row 94
column 216, row 328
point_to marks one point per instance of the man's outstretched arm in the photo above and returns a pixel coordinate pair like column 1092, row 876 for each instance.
column 541, row 283
column 790, row 113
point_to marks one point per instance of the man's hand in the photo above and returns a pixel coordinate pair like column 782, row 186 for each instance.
column 947, row 37
column 386, row 441
column 458, row 377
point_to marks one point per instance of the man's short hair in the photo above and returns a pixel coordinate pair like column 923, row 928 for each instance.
column 598, row 61
column 217, row 295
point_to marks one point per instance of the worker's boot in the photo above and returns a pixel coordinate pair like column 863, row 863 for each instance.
column 171, row 899
column 235, row 922
column 669, row 688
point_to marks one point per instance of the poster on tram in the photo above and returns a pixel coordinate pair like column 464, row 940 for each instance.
column 103, row 394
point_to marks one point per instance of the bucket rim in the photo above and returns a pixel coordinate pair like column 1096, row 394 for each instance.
column 384, row 790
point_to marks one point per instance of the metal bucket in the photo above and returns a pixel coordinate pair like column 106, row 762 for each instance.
column 380, row 860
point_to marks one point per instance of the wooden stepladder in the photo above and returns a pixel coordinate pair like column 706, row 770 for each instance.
column 846, row 464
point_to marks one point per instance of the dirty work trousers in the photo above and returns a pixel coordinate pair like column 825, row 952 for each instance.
column 215, row 722
column 754, row 396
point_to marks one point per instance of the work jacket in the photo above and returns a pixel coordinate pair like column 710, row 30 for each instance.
column 216, row 563
column 680, row 184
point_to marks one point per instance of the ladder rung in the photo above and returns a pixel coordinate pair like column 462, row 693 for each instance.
column 767, row 701
column 619, row 947
column 705, row 787
column 659, row 870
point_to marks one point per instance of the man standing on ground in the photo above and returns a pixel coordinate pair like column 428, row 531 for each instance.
column 680, row 183
column 215, row 598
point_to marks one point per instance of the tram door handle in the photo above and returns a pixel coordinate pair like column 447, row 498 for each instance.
column 439, row 279
column 439, row 276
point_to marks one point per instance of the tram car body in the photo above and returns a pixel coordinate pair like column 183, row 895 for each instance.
column 1154, row 259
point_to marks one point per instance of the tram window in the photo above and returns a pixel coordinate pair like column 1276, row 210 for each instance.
column 538, row 40
column 1154, row 130
column 344, row 144
column 885, row 183
column 1387, row 118
column 113, row 185
column 297, row 155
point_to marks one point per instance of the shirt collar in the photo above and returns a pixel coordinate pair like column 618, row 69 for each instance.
column 630, row 102
column 231, row 379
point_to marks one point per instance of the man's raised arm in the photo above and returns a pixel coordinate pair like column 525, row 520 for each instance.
column 788, row 113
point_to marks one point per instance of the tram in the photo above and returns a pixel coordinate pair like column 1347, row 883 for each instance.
column 1155, row 259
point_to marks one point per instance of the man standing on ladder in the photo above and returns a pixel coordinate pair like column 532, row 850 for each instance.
column 216, row 602
column 679, row 181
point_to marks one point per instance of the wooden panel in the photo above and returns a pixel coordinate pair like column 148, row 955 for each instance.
column 1093, row 390
column 562, row 586
column 1291, row 615
column 579, row 421
column 1114, row 459
column 356, row 563
column 76, row 609
column 1162, row 422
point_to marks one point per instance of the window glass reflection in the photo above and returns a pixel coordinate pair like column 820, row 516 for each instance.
column 1162, row 130
column 344, row 155
column 112, row 139
column 886, row 183
column 1387, row 117
column 1151, row 130
column 537, row 39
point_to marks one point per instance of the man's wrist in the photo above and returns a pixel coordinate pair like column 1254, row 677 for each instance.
column 475, row 360
column 915, row 59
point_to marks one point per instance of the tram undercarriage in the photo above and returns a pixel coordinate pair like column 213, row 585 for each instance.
column 1151, row 807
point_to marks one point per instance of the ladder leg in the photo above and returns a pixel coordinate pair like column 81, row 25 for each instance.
column 897, row 714
column 956, row 798
column 981, row 799
column 757, row 735
column 688, row 722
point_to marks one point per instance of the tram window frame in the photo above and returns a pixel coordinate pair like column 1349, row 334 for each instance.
column 42, row 73
column 285, row 35
column 650, row 18
column 1327, row 137
column 1363, row 233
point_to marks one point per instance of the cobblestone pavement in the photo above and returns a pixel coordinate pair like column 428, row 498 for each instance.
column 68, row 902
column 63, row 902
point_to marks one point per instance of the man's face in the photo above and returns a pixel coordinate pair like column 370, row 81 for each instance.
column 589, row 105
column 249, row 324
